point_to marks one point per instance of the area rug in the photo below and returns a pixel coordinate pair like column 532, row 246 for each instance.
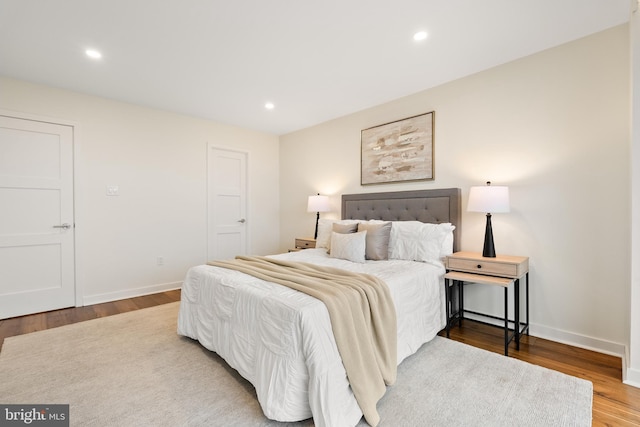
column 132, row 369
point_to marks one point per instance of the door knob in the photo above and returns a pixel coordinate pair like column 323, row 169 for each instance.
column 64, row 226
column 242, row 220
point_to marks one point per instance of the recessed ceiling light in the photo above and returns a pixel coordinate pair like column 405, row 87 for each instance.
column 420, row 35
column 269, row 106
column 92, row 53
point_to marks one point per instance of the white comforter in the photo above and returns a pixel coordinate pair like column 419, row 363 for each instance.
column 281, row 340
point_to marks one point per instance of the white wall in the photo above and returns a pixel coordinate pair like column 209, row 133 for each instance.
column 633, row 368
column 554, row 127
column 158, row 160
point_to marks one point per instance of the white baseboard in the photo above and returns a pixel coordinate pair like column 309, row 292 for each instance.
column 629, row 376
column 130, row 293
column 566, row 337
column 577, row 340
column 632, row 377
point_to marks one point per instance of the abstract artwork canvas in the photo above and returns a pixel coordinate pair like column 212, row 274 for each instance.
column 398, row 151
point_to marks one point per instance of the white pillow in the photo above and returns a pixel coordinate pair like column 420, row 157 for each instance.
column 447, row 243
column 325, row 227
column 418, row 241
column 349, row 246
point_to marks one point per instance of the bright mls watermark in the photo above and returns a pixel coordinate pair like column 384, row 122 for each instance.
column 34, row 415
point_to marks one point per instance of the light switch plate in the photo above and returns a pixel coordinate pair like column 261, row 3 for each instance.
column 113, row 190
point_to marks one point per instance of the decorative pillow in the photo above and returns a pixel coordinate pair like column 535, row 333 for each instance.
column 348, row 246
column 325, row 227
column 342, row 228
column 377, row 242
column 417, row 241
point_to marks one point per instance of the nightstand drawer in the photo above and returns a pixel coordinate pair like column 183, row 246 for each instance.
column 305, row 243
column 480, row 267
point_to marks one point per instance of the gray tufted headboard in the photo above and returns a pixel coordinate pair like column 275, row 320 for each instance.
column 433, row 206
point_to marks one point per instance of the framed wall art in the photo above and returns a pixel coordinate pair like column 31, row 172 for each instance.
column 398, row 151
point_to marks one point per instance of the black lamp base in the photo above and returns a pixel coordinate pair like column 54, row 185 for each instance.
column 315, row 235
column 488, row 251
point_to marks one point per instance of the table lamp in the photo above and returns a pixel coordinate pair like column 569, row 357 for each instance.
column 488, row 199
column 318, row 204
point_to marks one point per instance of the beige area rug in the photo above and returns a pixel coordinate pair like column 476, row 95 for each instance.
column 133, row 370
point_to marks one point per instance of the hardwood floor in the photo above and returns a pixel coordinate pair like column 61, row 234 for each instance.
column 614, row 403
column 53, row 319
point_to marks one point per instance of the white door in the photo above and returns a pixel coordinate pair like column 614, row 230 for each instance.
column 36, row 217
column 227, row 203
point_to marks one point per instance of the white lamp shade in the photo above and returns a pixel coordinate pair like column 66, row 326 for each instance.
column 318, row 204
column 489, row 199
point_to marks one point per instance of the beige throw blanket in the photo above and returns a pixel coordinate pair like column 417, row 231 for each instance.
column 362, row 315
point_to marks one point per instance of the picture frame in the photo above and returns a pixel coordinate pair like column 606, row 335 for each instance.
column 398, row 151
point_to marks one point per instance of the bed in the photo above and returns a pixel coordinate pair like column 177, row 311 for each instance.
column 281, row 340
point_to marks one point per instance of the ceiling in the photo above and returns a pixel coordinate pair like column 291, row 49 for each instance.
column 314, row 60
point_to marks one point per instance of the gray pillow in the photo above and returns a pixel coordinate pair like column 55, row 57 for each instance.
column 345, row 228
column 377, row 243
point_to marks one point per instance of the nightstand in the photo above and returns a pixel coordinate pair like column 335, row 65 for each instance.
column 502, row 271
column 304, row 243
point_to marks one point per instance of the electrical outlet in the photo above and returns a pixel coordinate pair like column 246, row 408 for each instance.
column 160, row 260
column 113, row 190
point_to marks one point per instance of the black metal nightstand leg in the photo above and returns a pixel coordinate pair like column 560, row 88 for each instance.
column 460, row 302
column 506, row 321
column 516, row 326
column 526, row 284
column 447, row 299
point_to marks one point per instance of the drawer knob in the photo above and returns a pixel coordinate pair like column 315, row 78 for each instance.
column 479, row 266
